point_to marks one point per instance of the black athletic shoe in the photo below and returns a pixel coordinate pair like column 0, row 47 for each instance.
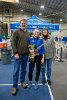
column 49, row 82
column 44, row 82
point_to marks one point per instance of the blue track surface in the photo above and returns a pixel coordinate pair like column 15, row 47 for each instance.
column 6, row 74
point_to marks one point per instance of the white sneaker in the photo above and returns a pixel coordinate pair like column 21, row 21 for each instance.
column 36, row 85
column 29, row 84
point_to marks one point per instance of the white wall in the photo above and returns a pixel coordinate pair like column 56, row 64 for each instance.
column 62, row 31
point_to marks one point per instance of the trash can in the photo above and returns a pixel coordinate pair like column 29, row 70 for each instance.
column 5, row 56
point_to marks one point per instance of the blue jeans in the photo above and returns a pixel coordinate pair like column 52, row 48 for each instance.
column 21, row 62
column 47, row 65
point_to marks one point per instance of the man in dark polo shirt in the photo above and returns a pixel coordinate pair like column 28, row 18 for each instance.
column 20, row 49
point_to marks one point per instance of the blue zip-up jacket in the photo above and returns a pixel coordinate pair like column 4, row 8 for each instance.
column 36, row 42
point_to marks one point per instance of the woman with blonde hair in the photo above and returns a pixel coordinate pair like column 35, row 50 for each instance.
column 35, row 41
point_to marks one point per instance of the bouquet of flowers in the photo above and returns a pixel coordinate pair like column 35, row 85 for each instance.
column 34, row 51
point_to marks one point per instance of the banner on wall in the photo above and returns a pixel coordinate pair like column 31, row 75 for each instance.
column 35, row 22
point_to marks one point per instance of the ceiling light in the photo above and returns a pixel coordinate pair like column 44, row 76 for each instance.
column 40, row 14
column 21, row 10
column 61, row 19
column 42, row 6
column 17, row 1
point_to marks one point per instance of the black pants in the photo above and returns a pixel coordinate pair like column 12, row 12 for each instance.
column 36, row 60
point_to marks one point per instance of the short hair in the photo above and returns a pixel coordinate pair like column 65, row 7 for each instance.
column 22, row 20
column 36, row 30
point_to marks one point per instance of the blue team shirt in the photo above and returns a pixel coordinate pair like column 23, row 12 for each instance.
column 37, row 42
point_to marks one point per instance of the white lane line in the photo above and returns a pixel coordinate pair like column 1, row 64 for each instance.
column 52, row 98
column 18, row 84
column 6, row 84
column 50, row 92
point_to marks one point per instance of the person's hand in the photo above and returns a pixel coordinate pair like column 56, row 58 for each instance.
column 31, row 52
column 42, row 60
column 54, row 57
column 16, row 56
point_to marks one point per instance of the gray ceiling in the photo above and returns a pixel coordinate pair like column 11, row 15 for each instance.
column 55, row 9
